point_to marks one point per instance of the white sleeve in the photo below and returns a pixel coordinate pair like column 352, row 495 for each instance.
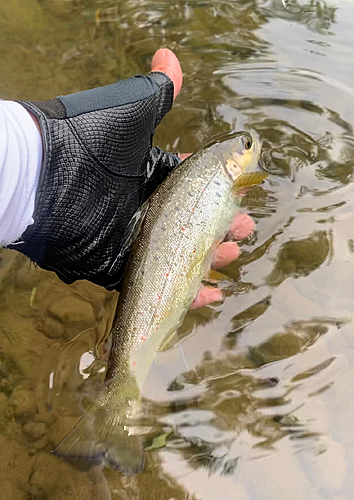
column 21, row 153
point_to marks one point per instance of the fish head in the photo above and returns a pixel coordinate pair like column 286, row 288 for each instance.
column 240, row 154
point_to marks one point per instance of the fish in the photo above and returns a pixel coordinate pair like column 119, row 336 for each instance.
column 172, row 239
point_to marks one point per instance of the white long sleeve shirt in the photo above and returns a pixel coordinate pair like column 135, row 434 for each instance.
column 20, row 164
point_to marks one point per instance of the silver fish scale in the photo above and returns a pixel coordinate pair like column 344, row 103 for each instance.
column 184, row 218
column 187, row 213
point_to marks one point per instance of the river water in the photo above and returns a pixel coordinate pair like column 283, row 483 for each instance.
column 254, row 401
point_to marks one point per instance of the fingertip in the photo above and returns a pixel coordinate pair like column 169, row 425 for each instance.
column 166, row 61
column 205, row 296
column 184, row 156
column 226, row 253
column 159, row 56
column 242, row 226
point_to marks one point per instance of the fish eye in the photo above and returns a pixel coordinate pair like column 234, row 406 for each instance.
column 246, row 141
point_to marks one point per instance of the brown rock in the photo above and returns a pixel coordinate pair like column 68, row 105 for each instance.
column 16, row 467
column 5, row 412
column 52, row 328
column 35, row 430
column 3, row 400
column 55, row 479
column 41, row 444
column 73, row 313
column 47, row 418
column 42, row 407
column 23, row 401
column 61, row 428
column 72, row 310
column 11, row 491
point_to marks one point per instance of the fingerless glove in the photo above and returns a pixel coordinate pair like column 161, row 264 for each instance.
column 99, row 166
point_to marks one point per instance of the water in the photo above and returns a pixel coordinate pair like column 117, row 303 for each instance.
column 257, row 390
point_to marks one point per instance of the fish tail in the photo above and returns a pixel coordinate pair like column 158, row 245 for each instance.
column 100, row 436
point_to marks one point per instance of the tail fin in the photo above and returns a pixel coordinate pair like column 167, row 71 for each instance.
column 101, row 436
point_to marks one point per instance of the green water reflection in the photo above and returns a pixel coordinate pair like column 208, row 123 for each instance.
column 253, row 396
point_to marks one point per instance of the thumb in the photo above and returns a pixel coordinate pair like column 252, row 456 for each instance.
column 165, row 61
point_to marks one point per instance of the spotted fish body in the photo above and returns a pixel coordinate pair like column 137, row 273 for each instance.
column 185, row 217
column 190, row 211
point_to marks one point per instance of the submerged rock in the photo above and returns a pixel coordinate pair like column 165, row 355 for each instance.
column 55, row 479
column 5, row 412
column 72, row 310
column 23, row 401
column 35, row 430
column 15, row 471
column 41, row 443
column 46, row 417
column 52, row 328
column 66, row 317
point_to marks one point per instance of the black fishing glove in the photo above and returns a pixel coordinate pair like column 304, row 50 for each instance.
column 98, row 168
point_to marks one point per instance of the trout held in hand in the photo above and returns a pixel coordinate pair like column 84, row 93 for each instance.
column 178, row 230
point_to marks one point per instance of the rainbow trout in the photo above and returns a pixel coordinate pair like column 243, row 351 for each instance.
column 178, row 229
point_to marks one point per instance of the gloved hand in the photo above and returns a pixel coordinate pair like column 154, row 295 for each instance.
column 98, row 168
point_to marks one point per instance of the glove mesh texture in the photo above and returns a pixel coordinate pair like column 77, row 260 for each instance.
column 99, row 167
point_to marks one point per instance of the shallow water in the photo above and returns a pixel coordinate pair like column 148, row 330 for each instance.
column 258, row 390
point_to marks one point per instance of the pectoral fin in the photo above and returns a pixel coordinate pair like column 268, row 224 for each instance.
column 216, row 277
column 168, row 342
column 248, row 179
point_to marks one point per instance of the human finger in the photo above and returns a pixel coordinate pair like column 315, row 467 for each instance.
column 242, row 226
column 226, row 253
column 206, row 295
column 166, row 61
column 183, row 156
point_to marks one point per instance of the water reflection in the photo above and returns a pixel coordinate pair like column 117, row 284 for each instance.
column 245, row 318
column 267, row 373
column 300, row 258
column 236, row 396
column 317, row 15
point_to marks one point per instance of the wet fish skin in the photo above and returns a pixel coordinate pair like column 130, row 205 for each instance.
column 186, row 215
